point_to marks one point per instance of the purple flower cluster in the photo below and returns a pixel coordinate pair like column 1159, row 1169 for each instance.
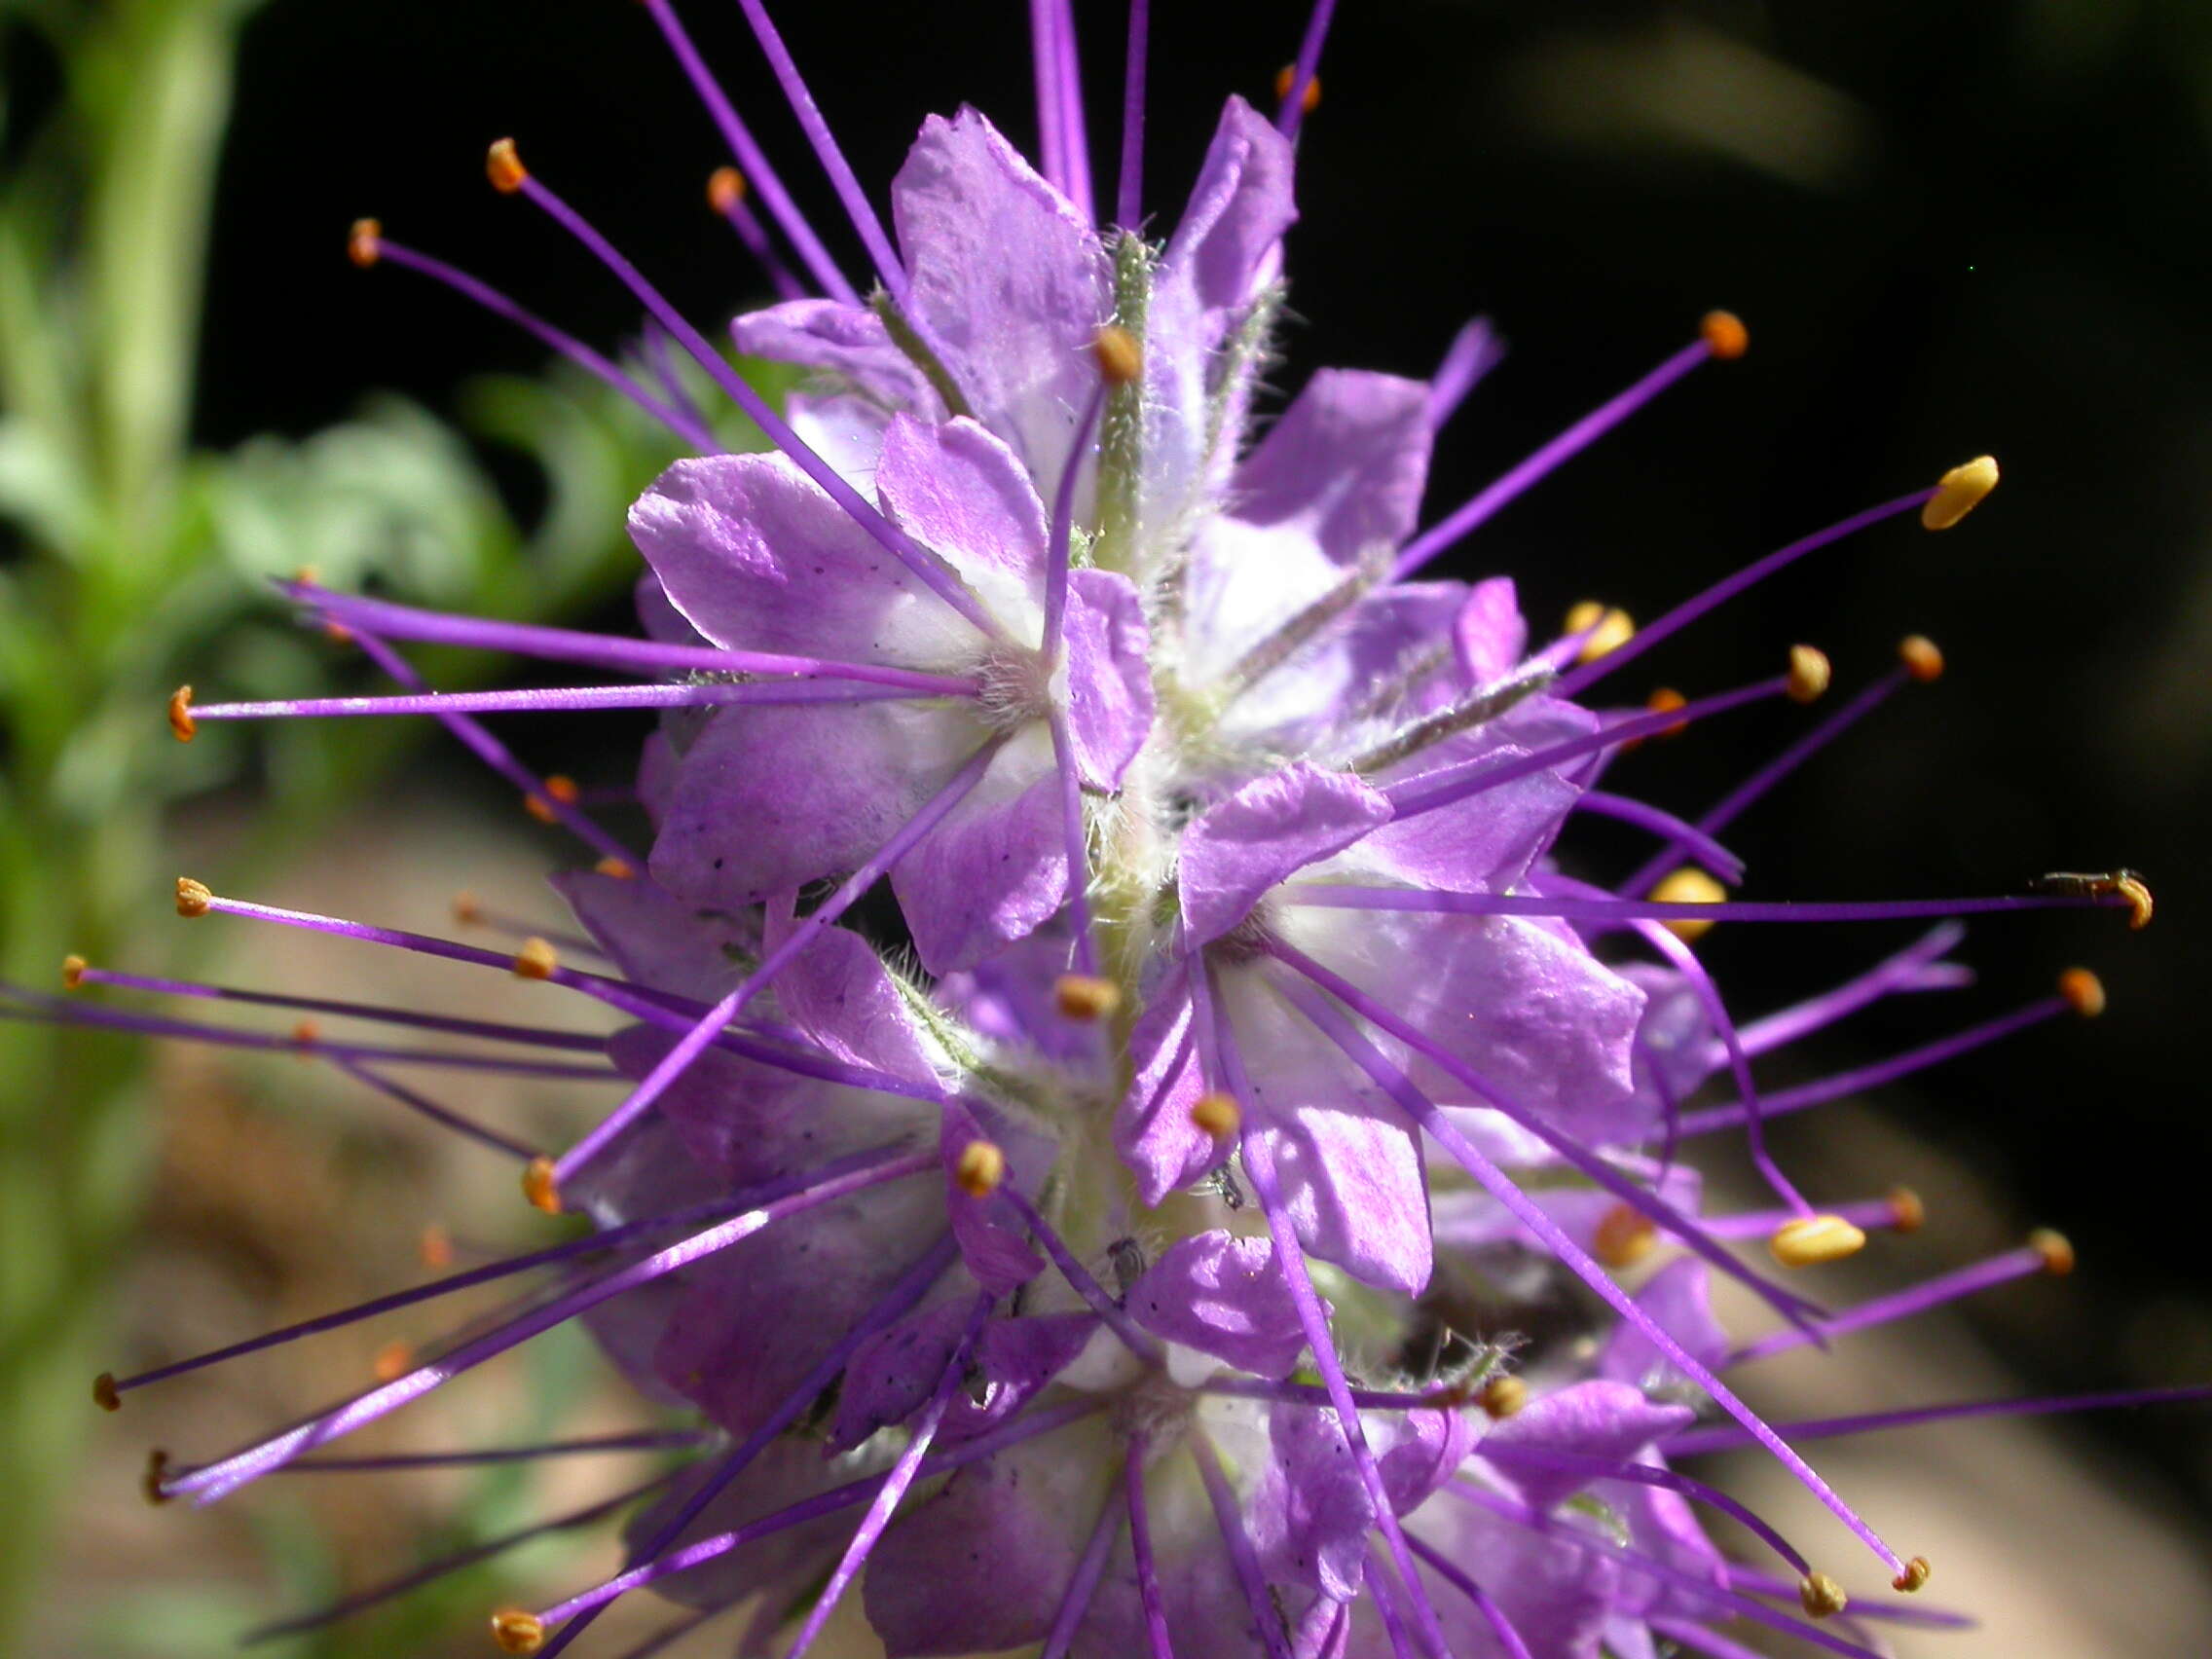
column 1120, row 1260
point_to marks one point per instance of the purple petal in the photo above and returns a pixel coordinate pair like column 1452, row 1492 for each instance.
column 1313, row 1512
column 1354, row 1187
column 893, row 1374
column 993, row 1246
column 961, row 492
column 1153, row 1128
column 657, row 938
column 1224, row 1295
column 1242, row 846
column 838, row 991
column 845, row 340
column 1109, row 674
column 1489, row 633
column 1677, row 1298
column 995, row 868
column 1017, row 1360
column 1610, row 1421
column 1238, row 210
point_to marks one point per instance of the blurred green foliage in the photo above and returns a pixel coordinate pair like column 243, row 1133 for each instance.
column 131, row 562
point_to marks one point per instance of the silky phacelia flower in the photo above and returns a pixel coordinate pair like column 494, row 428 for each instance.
column 1129, row 1267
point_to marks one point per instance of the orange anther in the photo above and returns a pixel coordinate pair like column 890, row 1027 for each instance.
column 1217, row 1113
column 181, row 721
column 1625, row 1236
column 1906, row 1211
column 191, row 897
column 1086, row 996
column 2083, row 992
column 1724, row 335
column 1121, row 359
column 539, row 1186
column 725, row 189
column 1809, row 673
column 979, row 1168
column 537, row 960
column 105, row 1394
column 1914, row 1575
column 1959, row 491
column 2055, row 1249
column 504, row 168
column 364, row 242
column 1310, row 101
column 1922, row 657
column 73, row 969
column 1502, row 1396
column 1816, row 1239
column 1822, row 1596
column 517, row 1632
column 620, row 870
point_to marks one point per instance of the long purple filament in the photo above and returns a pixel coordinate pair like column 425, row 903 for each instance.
column 445, row 1117
column 615, row 651
column 1076, row 838
column 1242, row 1557
column 219, row 1480
column 1313, row 1317
column 921, row 1434
column 647, row 1440
column 1051, row 131
column 568, row 699
column 1292, row 112
column 1486, row 1604
column 695, row 1041
column 1083, row 1583
column 757, row 172
column 1681, row 837
column 682, row 425
column 1574, row 682
column 1333, row 897
column 1129, row 191
column 1867, row 1214
column 926, row 568
column 1721, row 1437
column 1506, row 1455
column 841, row 176
column 739, row 216
column 2023, row 1263
column 1474, row 351
column 1139, row 1341
column 1917, row 966
column 1157, row 1642
column 1487, row 502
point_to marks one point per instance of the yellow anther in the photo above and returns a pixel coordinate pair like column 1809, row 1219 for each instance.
column 1086, row 996
column 435, row 1248
column 1217, row 1113
column 152, row 1482
column 1809, row 673
column 191, row 897
column 364, row 242
column 1922, row 657
column 1502, row 1396
column 1121, row 359
column 2083, row 992
column 2055, row 1249
column 1689, row 885
column 1959, row 491
column 517, row 1632
column 540, row 1186
column 1310, row 101
column 537, row 960
column 725, row 189
column 1907, row 1213
column 1625, row 1236
column 504, row 168
column 1725, row 335
column 1814, row 1239
column 181, row 721
column 105, row 1394
column 1914, row 1575
column 1822, row 1596
column 392, row 1361
column 73, row 969
column 979, row 1168
column 1609, row 629
column 466, row 912
column 620, row 870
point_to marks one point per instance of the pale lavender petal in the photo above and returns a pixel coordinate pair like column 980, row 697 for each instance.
column 1590, row 1420
column 1241, row 847
column 1354, row 1190
column 845, row 340
column 1489, row 633
column 959, row 491
column 1109, row 675
column 1225, row 1296
column 1679, row 1300
column 995, row 868
column 1152, row 1131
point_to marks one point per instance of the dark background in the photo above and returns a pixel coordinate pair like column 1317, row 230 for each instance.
column 1951, row 227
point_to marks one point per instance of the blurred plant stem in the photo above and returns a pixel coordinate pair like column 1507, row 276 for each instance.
column 133, row 562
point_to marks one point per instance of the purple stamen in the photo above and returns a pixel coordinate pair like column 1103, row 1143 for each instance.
column 606, row 1239
column 1065, row 147
column 738, row 213
column 695, row 1041
column 1077, row 841
column 361, row 1600
column 1787, row 1303
column 651, row 1440
column 1082, row 1281
column 655, row 1008
column 925, row 566
column 1894, row 1612
column 444, row 1116
column 1063, row 522
column 1868, row 1215
column 1721, row 1437
column 1314, row 1395
column 541, row 1036
column 841, row 176
column 2023, row 1263
column 566, row 699
column 655, row 339
column 1028, row 1426
column 1492, row 1614
column 758, row 171
column 1312, row 1318
column 1156, row 1643
column 1916, row 968
column 1051, row 131
column 896, row 1484
column 1699, row 1640
column 1732, row 805
column 1128, row 195
column 1239, row 1542
column 1452, row 784
column 1543, row 460
column 901, row 1296
column 1681, row 837
column 1333, row 897
column 59, row 1011
column 644, row 657
column 219, row 1480
column 1293, row 109
column 1637, row 1561
column 686, row 427
column 1505, row 1456
column 1863, row 1078
column 1500, row 1187
column 1084, row 1583
column 1474, row 351
column 497, row 755
column 1574, row 682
